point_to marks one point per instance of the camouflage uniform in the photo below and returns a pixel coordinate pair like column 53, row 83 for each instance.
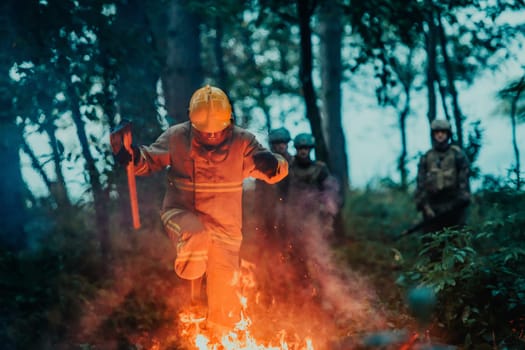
column 271, row 198
column 311, row 186
column 443, row 183
column 313, row 202
column 312, row 190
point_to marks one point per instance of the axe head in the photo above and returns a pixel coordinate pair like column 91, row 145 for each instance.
column 116, row 136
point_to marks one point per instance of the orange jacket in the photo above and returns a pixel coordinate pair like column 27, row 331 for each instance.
column 207, row 182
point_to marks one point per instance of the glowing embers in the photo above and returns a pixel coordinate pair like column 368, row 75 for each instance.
column 240, row 337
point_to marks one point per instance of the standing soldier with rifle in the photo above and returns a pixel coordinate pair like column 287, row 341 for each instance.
column 206, row 159
column 443, row 190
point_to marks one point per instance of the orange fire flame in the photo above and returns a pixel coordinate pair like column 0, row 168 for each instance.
column 240, row 337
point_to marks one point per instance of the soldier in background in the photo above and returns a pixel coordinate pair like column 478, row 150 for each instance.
column 313, row 202
column 269, row 203
column 270, row 199
column 311, row 186
column 443, row 189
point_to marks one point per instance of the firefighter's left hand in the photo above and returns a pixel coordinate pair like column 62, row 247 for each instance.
column 266, row 163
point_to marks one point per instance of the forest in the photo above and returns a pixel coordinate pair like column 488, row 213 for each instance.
column 76, row 274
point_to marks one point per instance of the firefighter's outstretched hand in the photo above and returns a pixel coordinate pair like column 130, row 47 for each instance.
column 265, row 162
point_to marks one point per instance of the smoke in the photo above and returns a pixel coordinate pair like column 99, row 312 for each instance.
column 302, row 291
column 302, row 287
column 344, row 293
column 140, row 295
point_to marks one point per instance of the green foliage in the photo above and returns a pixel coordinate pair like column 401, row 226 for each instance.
column 478, row 273
column 43, row 291
column 379, row 212
column 140, row 311
column 473, row 146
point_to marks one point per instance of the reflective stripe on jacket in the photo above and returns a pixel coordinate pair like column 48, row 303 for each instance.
column 205, row 181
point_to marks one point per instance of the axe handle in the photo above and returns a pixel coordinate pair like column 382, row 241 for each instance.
column 132, row 185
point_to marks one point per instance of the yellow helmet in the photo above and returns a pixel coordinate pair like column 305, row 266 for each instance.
column 210, row 109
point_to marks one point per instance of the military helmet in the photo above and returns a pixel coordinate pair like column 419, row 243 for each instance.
column 440, row 125
column 304, row 140
column 279, row 135
column 210, row 110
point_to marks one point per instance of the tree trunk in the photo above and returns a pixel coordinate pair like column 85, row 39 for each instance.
column 402, row 161
column 57, row 188
column 331, row 31
column 100, row 197
column 458, row 115
column 183, row 74
column 12, row 209
column 135, row 81
column 443, row 94
column 431, row 39
column 514, row 105
column 12, row 188
column 305, row 76
column 405, row 73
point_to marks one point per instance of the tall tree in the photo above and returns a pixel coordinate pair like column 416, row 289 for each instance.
column 331, row 32
column 69, row 50
column 183, row 71
column 132, row 66
column 12, row 212
column 404, row 72
column 261, row 61
column 431, row 35
column 305, row 10
column 514, row 93
column 466, row 46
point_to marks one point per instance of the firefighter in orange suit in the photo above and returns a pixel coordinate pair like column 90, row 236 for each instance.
column 207, row 159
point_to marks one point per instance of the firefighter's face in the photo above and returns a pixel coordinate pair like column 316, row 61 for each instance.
column 279, row 147
column 211, row 138
column 440, row 135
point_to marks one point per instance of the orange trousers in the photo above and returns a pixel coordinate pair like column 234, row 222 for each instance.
column 223, row 302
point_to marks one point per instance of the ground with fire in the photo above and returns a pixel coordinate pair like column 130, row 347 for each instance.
column 64, row 296
column 319, row 302
column 147, row 307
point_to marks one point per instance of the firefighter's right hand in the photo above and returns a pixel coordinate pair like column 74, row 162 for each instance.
column 266, row 163
column 427, row 210
column 123, row 157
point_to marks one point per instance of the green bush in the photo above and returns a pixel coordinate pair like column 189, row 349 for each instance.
column 43, row 290
column 379, row 212
column 479, row 272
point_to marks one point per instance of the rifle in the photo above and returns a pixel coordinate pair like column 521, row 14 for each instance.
column 121, row 137
column 432, row 220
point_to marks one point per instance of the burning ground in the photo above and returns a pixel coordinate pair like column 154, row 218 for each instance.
column 312, row 300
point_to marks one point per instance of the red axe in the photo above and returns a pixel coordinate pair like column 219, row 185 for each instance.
column 120, row 137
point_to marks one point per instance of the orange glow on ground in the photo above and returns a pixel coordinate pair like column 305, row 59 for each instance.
column 242, row 336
